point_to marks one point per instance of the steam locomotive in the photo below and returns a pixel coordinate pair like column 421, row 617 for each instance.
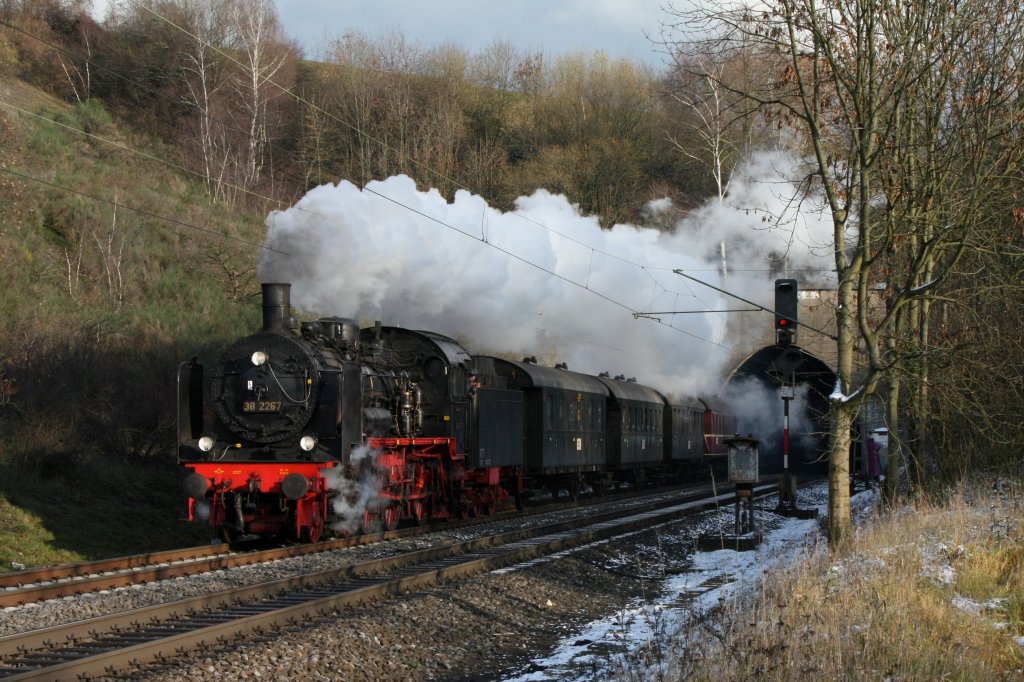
column 331, row 427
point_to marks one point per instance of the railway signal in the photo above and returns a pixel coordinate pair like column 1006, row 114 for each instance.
column 786, row 293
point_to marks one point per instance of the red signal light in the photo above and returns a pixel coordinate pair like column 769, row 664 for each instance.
column 786, row 305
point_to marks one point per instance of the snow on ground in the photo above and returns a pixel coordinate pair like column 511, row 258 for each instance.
column 614, row 643
column 692, row 583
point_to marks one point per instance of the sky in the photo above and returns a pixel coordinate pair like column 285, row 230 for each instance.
column 553, row 26
column 556, row 27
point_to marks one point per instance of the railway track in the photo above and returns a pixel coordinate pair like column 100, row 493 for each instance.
column 18, row 588
column 118, row 641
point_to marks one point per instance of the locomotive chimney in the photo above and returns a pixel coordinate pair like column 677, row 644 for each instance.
column 276, row 307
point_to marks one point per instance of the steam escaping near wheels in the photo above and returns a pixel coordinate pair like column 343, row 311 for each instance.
column 353, row 495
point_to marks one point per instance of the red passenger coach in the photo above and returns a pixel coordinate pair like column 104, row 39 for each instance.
column 719, row 424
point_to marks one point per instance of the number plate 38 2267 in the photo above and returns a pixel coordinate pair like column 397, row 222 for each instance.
column 261, row 406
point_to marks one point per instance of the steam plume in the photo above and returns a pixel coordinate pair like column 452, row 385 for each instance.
column 545, row 280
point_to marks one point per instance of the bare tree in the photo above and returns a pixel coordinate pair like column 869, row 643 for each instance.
column 948, row 169
column 848, row 74
column 261, row 43
column 79, row 76
column 495, row 66
column 110, row 247
column 313, row 144
column 73, row 260
column 714, row 117
column 204, row 75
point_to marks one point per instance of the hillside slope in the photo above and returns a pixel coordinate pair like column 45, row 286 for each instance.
column 114, row 273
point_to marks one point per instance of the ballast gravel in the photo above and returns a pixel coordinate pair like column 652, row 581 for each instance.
column 486, row 628
column 481, row 629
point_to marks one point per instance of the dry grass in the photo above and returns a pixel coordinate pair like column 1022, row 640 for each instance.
column 932, row 592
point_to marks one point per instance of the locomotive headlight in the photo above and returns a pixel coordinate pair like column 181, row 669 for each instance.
column 205, row 444
column 259, row 358
column 307, row 443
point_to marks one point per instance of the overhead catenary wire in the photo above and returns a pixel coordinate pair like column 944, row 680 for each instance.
column 400, row 153
column 756, row 305
column 141, row 86
column 483, row 238
column 140, row 211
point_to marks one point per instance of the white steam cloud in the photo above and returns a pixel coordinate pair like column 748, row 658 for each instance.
column 546, row 280
column 353, row 495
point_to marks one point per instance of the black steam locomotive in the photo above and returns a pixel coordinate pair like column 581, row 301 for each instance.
column 293, row 430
